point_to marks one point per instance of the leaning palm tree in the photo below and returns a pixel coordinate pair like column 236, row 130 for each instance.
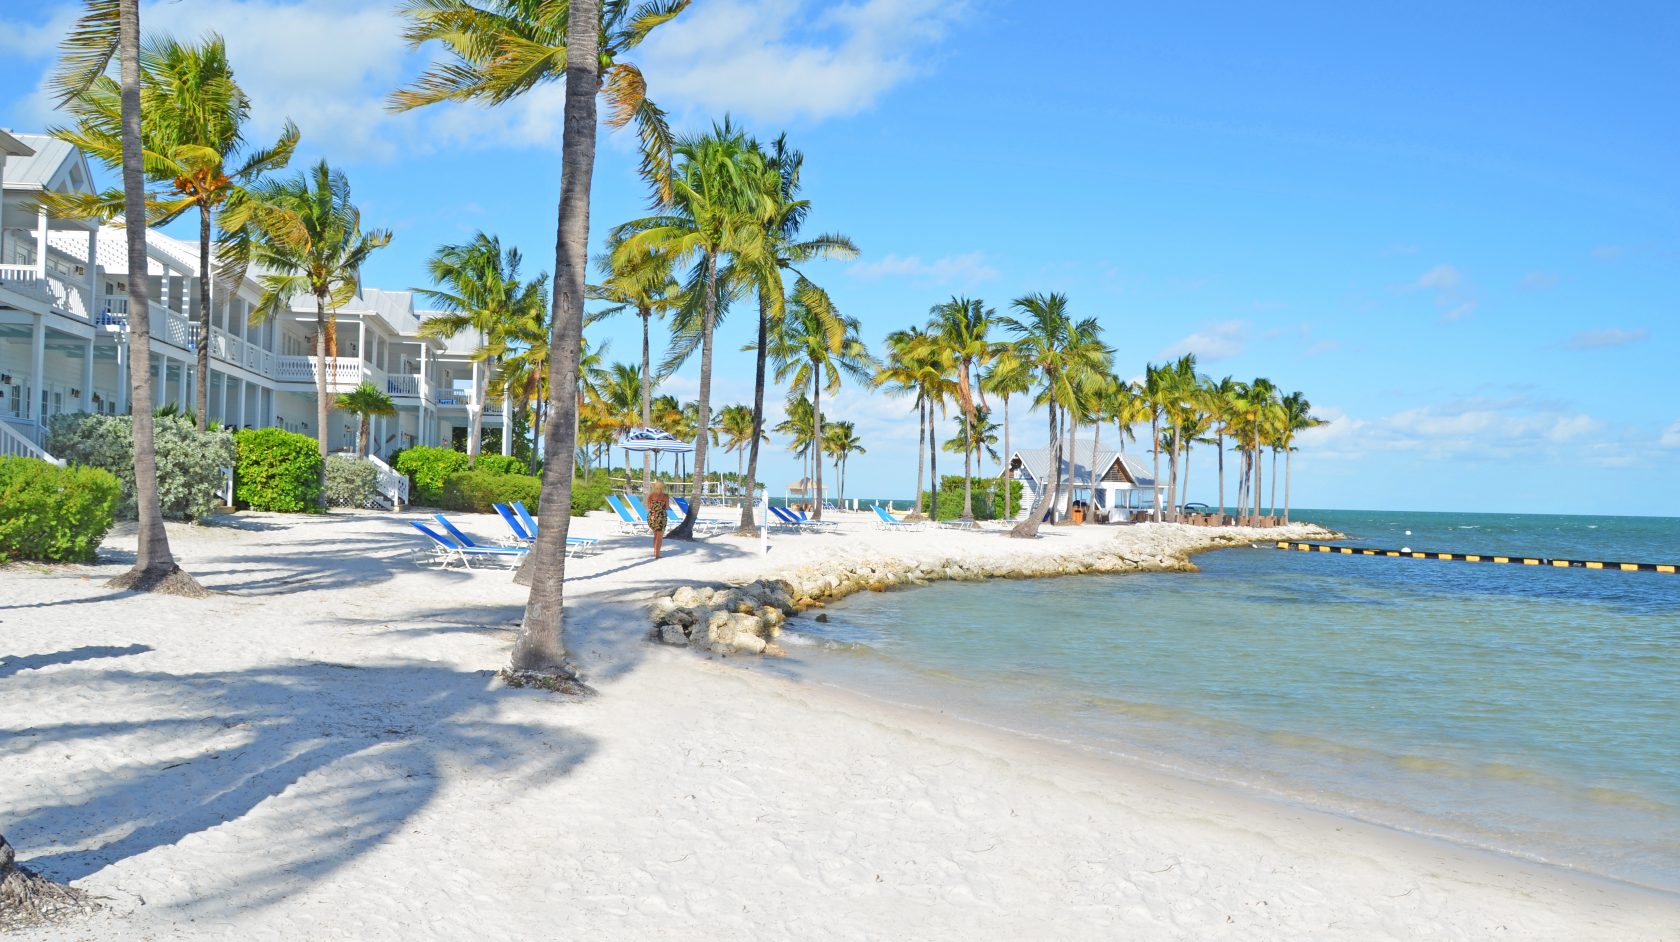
column 364, row 402
column 812, row 347
column 311, row 244
column 717, row 192
column 961, row 326
column 111, row 29
column 499, row 50
column 479, row 289
column 193, row 150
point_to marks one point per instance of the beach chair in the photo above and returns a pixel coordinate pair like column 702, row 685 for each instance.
column 785, row 517
column 886, row 521
column 708, row 526
column 520, row 534
column 627, row 521
column 524, row 528
column 446, row 549
column 804, row 520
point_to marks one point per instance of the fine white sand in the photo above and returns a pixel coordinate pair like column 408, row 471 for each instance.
column 321, row 752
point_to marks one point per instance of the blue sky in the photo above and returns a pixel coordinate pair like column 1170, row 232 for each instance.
column 1452, row 226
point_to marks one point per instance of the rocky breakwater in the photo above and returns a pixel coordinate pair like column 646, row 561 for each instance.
column 746, row 619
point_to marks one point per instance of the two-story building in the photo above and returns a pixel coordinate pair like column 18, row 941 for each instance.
column 64, row 339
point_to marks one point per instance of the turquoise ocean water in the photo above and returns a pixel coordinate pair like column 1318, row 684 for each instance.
column 1530, row 711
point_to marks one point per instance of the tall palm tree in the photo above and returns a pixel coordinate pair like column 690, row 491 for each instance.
column 1063, row 355
column 962, row 326
column 900, row 376
column 110, row 29
column 716, row 196
column 840, row 439
column 193, row 151
column 479, row 289
column 1217, row 399
column 520, row 351
column 312, row 244
column 1178, row 389
column 1008, row 376
column 812, row 346
column 643, row 284
column 1297, row 417
column 800, row 427
column 737, row 425
column 364, row 402
column 500, row 49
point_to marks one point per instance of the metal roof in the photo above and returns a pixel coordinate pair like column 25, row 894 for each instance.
column 12, row 147
column 37, row 171
column 1036, row 461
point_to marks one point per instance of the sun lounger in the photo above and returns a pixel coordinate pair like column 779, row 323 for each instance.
column 708, row 525
column 447, row 549
column 524, row 528
column 627, row 520
column 886, row 521
column 805, row 520
column 521, row 536
column 787, row 518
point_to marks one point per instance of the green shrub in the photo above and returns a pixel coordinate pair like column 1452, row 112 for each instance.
column 501, row 464
column 277, row 470
column 54, row 514
column 988, row 498
column 189, row 462
column 351, row 482
column 426, row 468
column 476, row 491
column 590, row 494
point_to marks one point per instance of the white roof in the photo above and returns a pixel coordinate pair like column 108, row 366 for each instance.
column 12, row 147
column 49, row 167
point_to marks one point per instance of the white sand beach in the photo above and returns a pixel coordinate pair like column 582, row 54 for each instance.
column 321, row 752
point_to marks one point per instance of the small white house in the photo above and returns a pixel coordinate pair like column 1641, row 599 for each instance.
column 1123, row 482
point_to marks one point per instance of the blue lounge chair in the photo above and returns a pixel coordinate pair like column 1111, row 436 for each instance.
column 784, row 516
column 524, row 527
column 886, row 521
column 446, row 550
column 467, row 541
column 707, row 525
column 627, row 521
column 806, row 521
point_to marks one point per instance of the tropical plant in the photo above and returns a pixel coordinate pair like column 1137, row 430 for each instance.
column 1296, row 417
column 1218, row 400
column 189, row 462
column 643, row 284
column 737, row 425
column 350, row 482
column 54, row 514
column 840, row 440
column 110, row 29
column 278, row 470
column 961, row 327
column 479, row 289
column 310, row 242
column 193, row 152
column 900, row 375
column 1008, row 376
column 364, row 402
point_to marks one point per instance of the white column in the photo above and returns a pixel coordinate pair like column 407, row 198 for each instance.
column 240, row 422
column 38, row 362
column 122, row 372
column 507, row 423
column 87, row 376
column 95, row 306
column 185, row 399
column 41, row 245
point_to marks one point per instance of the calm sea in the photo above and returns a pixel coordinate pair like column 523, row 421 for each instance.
column 1532, row 711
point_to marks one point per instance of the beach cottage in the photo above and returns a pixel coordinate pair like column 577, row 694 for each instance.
column 1122, row 486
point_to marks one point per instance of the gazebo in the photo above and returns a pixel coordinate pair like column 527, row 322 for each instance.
column 657, row 441
column 804, row 489
column 1122, row 484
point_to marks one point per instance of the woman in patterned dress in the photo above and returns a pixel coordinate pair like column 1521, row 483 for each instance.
column 657, row 502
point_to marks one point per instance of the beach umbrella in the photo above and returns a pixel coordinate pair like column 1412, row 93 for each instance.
column 657, row 441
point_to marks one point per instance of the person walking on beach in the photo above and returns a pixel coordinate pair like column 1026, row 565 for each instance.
column 657, row 502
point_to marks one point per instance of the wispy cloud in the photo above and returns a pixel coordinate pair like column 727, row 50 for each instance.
column 1440, row 278
column 967, row 268
column 1671, row 436
column 1454, row 298
column 1539, row 280
column 1219, row 342
column 1322, row 347
column 1475, row 428
column 1608, row 337
column 1606, row 253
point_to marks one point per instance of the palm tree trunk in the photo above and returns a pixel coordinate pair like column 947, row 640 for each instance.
column 1073, row 462
column 154, row 565
column 1008, row 456
column 1259, row 460
column 1155, row 446
column 933, row 466
column 647, row 397
column 968, row 468
column 708, row 322
column 760, row 354
column 1221, row 438
column 1028, row 529
column 1096, row 440
column 921, row 447
column 1186, row 474
column 816, row 441
column 475, row 420
column 362, row 437
column 541, row 644
column 1271, row 506
column 201, row 398
column 1286, row 476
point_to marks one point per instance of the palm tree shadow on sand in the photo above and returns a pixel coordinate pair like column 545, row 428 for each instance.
column 325, row 761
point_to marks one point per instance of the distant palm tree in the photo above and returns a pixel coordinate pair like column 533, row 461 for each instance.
column 193, row 146
column 840, row 439
column 1008, row 376
column 800, row 426
column 1297, row 417
column 812, row 346
column 646, row 285
column 736, row 424
column 499, row 50
column 1218, row 401
column 900, row 376
column 110, row 29
column 312, row 243
column 962, row 326
column 479, row 289
column 364, row 402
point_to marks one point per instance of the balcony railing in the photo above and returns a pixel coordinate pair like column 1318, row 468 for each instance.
column 403, row 386
column 18, row 275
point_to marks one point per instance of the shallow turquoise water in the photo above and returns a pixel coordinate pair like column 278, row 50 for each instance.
column 1534, row 711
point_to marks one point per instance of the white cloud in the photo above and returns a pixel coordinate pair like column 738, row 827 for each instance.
column 1606, row 253
column 1608, row 337
column 776, row 60
column 1322, row 347
column 963, row 269
column 1470, row 429
column 1539, row 280
column 1458, row 312
column 1440, row 278
column 1218, row 342
column 1671, row 436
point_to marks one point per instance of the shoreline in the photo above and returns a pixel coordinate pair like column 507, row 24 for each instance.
column 335, row 708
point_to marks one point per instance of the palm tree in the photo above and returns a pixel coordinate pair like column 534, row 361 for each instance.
column 1297, row 417
column 800, row 427
column 901, row 376
column 1177, row 388
column 520, row 350
column 644, row 284
column 479, row 290
column 312, row 244
column 1008, row 376
column 716, row 195
column 737, row 425
column 961, row 326
column 192, row 147
column 1063, row 355
column 107, row 29
column 812, row 346
column 1218, row 401
column 364, row 402
column 499, row 50
column 840, row 439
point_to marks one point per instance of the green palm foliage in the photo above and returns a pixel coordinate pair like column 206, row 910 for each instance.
column 840, row 440
column 736, row 424
column 479, row 289
column 962, row 327
column 1296, row 416
column 193, row 153
column 364, row 402
column 643, row 284
column 311, row 243
column 1008, row 376
column 501, row 49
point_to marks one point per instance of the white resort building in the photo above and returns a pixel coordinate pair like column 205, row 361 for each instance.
column 64, row 334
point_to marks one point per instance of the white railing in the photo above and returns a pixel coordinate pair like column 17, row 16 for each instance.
column 342, row 372
column 15, row 443
column 393, row 487
column 18, row 274
column 408, row 386
column 171, row 327
column 69, row 297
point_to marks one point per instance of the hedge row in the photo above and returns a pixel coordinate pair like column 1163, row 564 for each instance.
column 351, row 482
column 189, row 462
column 54, row 514
column 277, row 470
column 479, row 491
column 988, row 498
